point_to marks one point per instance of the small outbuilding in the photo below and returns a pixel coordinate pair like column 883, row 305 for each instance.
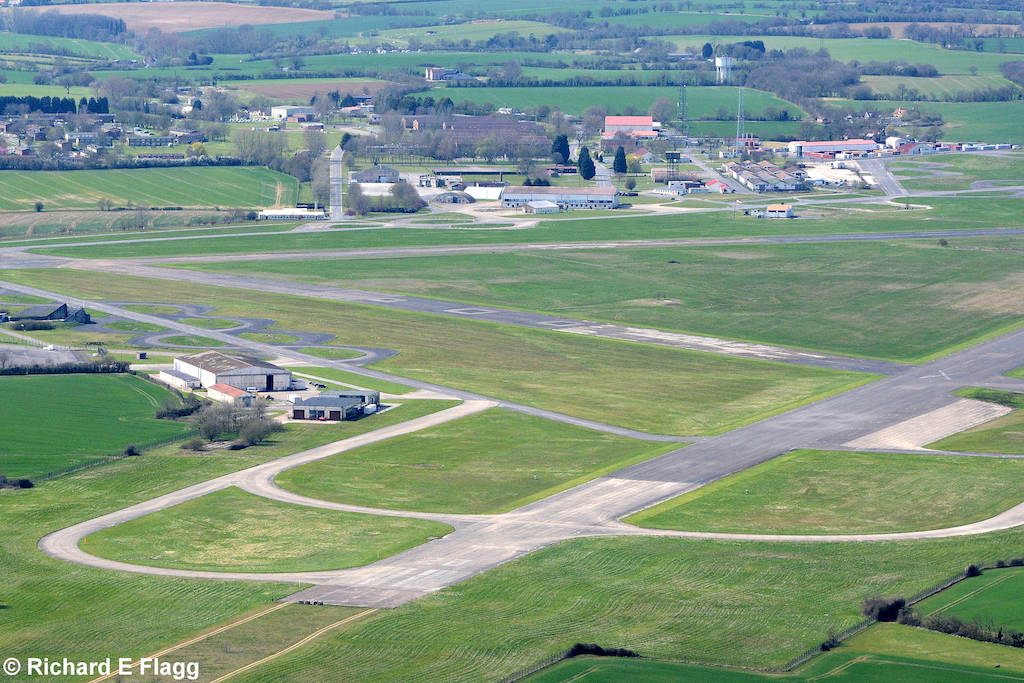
column 779, row 211
column 228, row 394
column 541, row 206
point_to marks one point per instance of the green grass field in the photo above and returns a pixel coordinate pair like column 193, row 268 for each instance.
column 965, row 121
column 819, row 492
column 336, row 354
column 489, row 462
column 232, row 530
column 152, row 309
column 748, row 604
column 333, row 375
column 934, row 87
column 973, row 167
column 873, row 299
column 996, row 597
column 228, row 186
column 965, row 213
column 18, row 42
column 652, row 389
column 189, row 340
column 1002, row 435
column 270, row 338
column 105, row 412
column 472, row 32
column 880, row 654
column 209, row 323
column 133, row 326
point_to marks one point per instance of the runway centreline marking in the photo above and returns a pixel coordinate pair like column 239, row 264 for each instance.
column 198, row 639
column 310, row 637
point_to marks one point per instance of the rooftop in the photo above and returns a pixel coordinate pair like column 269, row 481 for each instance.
column 215, row 361
column 609, row 191
column 629, row 120
column 227, row 390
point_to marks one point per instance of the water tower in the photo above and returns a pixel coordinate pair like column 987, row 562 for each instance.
column 723, row 66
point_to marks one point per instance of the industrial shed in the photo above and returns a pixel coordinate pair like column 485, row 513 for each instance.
column 241, row 372
column 564, row 197
column 376, row 174
column 336, row 405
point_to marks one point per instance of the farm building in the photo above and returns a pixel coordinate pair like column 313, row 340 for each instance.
column 542, row 206
column 229, row 394
column 213, row 367
column 376, row 174
column 563, row 197
column 779, row 211
column 336, row 405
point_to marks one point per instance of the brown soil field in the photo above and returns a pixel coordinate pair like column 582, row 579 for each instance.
column 897, row 27
column 172, row 17
column 303, row 90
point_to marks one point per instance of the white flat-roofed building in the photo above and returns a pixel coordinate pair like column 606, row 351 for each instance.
column 542, row 206
column 283, row 112
column 291, row 214
column 628, row 124
column 563, row 197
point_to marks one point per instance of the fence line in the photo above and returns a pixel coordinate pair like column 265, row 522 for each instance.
column 536, row 666
column 111, row 458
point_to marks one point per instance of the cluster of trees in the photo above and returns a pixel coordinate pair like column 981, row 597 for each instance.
column 250, row 425
column 403, row 199
column 48, row 105
column 51, row 23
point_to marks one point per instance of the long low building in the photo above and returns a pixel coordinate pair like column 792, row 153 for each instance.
column 564, row 197
column 804, row 147
column 336, row 405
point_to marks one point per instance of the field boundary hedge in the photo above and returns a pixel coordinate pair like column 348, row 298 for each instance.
column 833, row 639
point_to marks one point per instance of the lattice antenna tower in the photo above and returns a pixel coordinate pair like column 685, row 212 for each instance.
column 684, row 112
column 740, row 124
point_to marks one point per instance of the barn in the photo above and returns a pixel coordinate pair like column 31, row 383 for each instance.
column 241, row 372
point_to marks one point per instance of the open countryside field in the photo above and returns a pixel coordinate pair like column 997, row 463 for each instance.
column 651, row 389
column 966, row 214
column 994, row 122
column 305, row 89
column 996, row 597
column 934, row 87
column 866, row 50
column 19, row 42
column 822, row 492
column 474, row 31
column 878, row 655
column 229, row 186
column 574, row 100
column 109, row 412
column 232, row 530
column 489, row 462
column 882, row 300
column 195, row 15
column 739, row 603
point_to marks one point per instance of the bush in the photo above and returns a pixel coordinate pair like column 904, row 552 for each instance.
column 131, row 449
column 973, row 570
column 1001, row 563
column 32, row 325
column 908, row 617
column 598, row 651
column 883, row 609
column 1017, row 562
column 15, row 483
column 196, row 444
column 830, row 643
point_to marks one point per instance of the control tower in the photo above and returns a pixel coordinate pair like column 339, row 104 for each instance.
column 723, row 66
column 335, row 210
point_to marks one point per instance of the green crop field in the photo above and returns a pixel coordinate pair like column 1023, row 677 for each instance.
column 994, row 122
column 934, row 87
column 201, row 186
column 18, row 42
column 573, row 100
column 873, row 299
column 687, row 392
column 995, row 597
column 739, row 603
column 489, row 462
column 973, row 167
column 471, row 31
column 232, row 530
column 105, row 412
column 818, row 492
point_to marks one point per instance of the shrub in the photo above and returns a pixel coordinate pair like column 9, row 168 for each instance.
column 596, row 650
column 908, row 617
column 196, row 444
column 973, row 570
column 255, row 431
column 1001, row 563
column 131, row 449
column 25, row 484
column 32, row 325
column 882, row 609
column 1017, row 562
column 830, row 643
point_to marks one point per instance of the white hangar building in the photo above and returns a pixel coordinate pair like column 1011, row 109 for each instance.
column 213, row 367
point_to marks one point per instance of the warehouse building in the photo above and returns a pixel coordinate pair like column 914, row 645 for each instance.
column 213, row 367
column 336, row 405
column 563, row 197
